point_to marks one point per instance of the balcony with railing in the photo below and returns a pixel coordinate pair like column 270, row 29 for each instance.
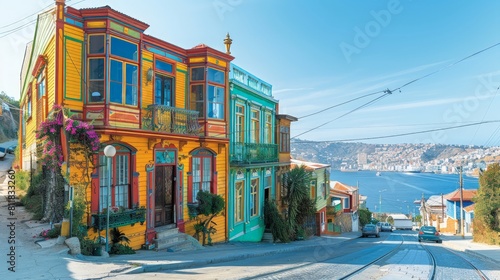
column 168, row 119
column 249, row 153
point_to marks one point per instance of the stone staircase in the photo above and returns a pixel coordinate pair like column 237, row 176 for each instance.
column 169, row 238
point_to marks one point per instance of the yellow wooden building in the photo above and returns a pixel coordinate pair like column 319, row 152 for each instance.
column 164, row 109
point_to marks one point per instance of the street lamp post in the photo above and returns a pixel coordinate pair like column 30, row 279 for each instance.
column 380, row 201
column 109, row 152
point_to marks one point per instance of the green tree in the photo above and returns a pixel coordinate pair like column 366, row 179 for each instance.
column 297, row 198
column 209, row 205
column 365, row 216
column 487, row 205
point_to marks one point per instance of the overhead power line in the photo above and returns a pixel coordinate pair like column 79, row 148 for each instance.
column 24, row 25
column 39, row 11
column 387, row 92
column 343, row 103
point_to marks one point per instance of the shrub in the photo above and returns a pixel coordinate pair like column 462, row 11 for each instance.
column 276, row 223
column 88, row 246
column 51, row 233
column 121, row 249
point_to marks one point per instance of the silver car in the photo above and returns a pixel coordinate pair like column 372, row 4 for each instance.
column 370, row 229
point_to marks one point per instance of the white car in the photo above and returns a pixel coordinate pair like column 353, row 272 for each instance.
column 3, row 152
column 386, row 227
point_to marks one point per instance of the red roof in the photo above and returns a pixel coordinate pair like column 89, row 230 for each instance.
column 467, row 195
column 338, row 186
column 308, row 165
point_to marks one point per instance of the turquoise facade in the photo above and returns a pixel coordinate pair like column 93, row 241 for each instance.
column 253, row 154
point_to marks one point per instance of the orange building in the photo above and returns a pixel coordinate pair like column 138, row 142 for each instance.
column 163, row 108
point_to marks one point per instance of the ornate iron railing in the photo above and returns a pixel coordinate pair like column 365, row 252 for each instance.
column 170, row 120
column 253, row 153
column 125, row 218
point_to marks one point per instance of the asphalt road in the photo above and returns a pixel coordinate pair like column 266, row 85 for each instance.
column 6, row 163
column 406, row 259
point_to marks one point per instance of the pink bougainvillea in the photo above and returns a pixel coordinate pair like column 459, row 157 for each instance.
column 76, row 130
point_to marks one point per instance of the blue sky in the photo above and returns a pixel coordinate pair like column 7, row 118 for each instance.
column 318, row 54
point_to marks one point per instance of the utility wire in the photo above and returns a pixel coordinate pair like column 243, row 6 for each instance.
column 448, row 66
column 484, row 116
column 353, row 110
column 41, row 10
column 400, row 134
column 337, row 105
column 24, row 25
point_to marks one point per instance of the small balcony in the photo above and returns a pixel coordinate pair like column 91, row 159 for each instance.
column 250, row 153
column 125, row 218
column 168, row 119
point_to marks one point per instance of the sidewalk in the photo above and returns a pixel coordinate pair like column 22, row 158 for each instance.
column 465, row 244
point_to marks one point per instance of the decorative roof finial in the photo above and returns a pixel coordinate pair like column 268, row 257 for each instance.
column 228, row 41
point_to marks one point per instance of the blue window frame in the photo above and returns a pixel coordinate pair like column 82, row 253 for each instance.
column 215, row 102
column 123, row 49
column 164, row 66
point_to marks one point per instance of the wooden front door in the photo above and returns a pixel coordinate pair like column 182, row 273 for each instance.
column 164, row 195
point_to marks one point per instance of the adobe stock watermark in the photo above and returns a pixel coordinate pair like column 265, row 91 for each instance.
column 373, row 28
column 221, row 7
column 459, row 112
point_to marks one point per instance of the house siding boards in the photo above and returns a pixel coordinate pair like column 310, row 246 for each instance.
column 254, row 97
column 320, row 182
column 140, row 135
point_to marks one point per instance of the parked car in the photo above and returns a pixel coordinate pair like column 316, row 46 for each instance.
column 385, row 227
column 3, row 152
column 370, row 229
column 379, row 226
column 429, row 233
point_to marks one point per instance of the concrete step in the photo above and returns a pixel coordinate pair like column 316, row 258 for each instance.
column 267, row 237
column 166, row 232
column 161, row 243
column 178, row 242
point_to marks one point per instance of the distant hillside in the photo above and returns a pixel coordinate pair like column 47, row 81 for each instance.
column 8, row 125
column 9, row 118
column 340, row 154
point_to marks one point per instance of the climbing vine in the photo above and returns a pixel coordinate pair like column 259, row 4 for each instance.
column 84, row 142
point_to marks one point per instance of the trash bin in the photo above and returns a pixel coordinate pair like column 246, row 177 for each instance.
column 65, row 228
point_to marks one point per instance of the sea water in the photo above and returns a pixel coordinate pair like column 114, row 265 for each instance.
column 396, row 192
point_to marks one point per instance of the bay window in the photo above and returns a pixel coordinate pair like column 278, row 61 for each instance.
column 123, row 83
column 96, row 68
column 96, row 79
column 207, row 94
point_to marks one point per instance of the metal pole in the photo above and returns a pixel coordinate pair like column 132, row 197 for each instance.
column 380, row 206
column 462, row 224
column 108, row 163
